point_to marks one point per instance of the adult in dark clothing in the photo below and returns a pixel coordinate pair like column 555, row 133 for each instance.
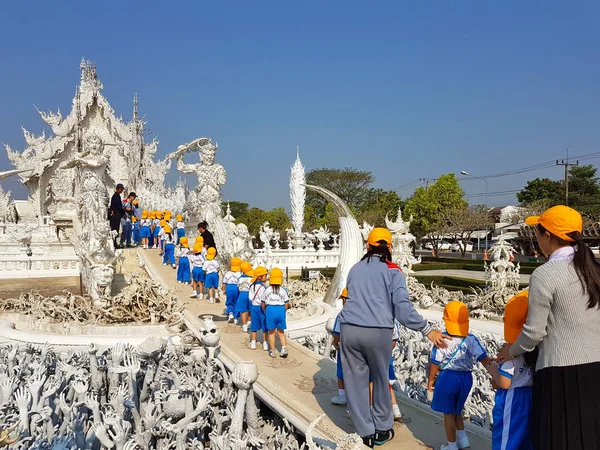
column 116, row 211
column 209, row 240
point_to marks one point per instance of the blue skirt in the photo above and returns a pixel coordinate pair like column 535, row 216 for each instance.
column 183, row 270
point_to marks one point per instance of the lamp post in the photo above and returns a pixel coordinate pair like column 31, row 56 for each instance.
column 467, row 174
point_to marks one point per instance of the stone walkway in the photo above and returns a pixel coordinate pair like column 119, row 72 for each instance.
column 468, row 274
column 305, row 382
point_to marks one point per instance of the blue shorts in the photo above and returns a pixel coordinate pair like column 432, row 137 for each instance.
column 276, row 317
column 198, row 274
column 242, row 304
column 145, row 231
column 451, row 391
column 512, row 419
column 259, row 321
column 156, row 231
column 340, row 374
column 211, row 280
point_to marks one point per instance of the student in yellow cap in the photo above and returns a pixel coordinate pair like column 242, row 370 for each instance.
column 275, row 303
column 145, row 228
column 151, row 217
column 157, row 228
column 180, row 225
column 563, row 321
column 183, row 262
column 242, row 306
column 259, row 320
column 230, row 287
column 514, row 381
column 169, row 249
column 211, row 269
column 160, row 238
column 453, row 366
column 197, row 259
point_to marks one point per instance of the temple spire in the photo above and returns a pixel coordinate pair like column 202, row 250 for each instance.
column 135, row 107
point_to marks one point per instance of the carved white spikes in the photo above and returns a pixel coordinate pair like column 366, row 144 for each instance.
column 297, row 193
column 32, row 139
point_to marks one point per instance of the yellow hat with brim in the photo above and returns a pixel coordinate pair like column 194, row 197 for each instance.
column 179, row 217
column 235, row 264
column 184, row 241
column 198, row 248
column 133, row 219
column 200, row 240
column 211, row 253
column 379, row 234
column 456, row 318
column 168, row 229
column 276, row 276
column 162, row 222
column 259, row 272
column 515, row 316
column 247, row 268
column 559, row 220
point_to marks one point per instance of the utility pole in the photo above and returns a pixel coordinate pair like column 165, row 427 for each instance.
column 567, row 165
column 426, row 181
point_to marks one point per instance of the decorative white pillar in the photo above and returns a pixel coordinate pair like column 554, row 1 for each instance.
column 297, row 200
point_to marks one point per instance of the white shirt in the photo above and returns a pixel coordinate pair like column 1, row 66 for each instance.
column 197, row 259
column 520, row 374
column 464, row 358
column 167, row 238
column 256, row 293
column 180, row 225
column 562, row 253
column 146, row 222
column 244, row 283
column 157, row 222
column 272, row 298
column 182, row 252
column 211, row 266
column 232, row 277
column 161, row 234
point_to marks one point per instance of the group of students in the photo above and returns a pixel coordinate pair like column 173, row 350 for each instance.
column 257, row 300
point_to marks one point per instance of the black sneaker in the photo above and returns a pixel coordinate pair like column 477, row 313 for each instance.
column 369, row 441
column 381, row 437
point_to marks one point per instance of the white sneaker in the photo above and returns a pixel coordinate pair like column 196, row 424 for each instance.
column 173, row 266
column 194, row 294
column 463, row 443
column 253, row 345
column 397, row 413
column 245, row 328
column 283, row 353
column 448, row 447
column 211, row 300
column 236, row 321
column 201, row 296
column 230, row 318
column 265, row 346
column 179, row 282
column 339, row 400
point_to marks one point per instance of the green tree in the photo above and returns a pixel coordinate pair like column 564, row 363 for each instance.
column 431, row 207
column 279, row 221
column 237, row 208
column 253, row 219
column 349, row 184
column 541, row 189
column 377, row 204
column 584, row 190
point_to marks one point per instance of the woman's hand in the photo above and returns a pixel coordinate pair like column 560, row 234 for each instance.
column 438, row 338
column 503, row 354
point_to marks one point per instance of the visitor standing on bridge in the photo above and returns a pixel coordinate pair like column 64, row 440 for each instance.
column 116, row 212
column 563, row 320
column 209, row 240
column 377, row 295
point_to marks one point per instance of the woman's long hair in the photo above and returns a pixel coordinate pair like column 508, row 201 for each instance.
column 586, row 266
column 381, row 251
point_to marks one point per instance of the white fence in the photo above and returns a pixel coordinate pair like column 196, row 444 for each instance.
column 297, row 259
column 39, row 267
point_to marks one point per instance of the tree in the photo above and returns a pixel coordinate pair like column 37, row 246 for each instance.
column 461, row 223
column 541, row 189
column 431, row 207
column 377, row 204
column 256, row 217
column 349, row 184
column 237, row 208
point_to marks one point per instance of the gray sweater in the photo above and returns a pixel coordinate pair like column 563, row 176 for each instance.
column 377, row 295
column 568, row 333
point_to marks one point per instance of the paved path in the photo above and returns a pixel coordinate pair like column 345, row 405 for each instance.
column 469, row 274
column 305, row 382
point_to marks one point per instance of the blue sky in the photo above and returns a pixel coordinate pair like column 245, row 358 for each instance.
column 405, row 89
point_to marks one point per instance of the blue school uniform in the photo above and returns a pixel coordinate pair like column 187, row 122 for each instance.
column 211, row 271
column 169, row 251
column 455, row 379
column 275, row 300
column 180, row 231
column 259, row 320
column 183, row 266
column 157, row 228
column 230, row 280
column 512, row 408
column 145, row 230
column 197, row 261
column 242, row 304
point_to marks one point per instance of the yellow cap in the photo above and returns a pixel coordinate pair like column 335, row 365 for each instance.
column 211, row 253
column 144, row 214
column 344, row 293
column 276, row 276
column 152, row 214
column 515, row 315
column 179, row 217
column 183, row 241
column 198, row 248
column 163, row 222
column 168, row 229
column 200, row 240
column 133, row 219
column 235, row 264
column 559, row 220
column 456, row 318
column 259, row 272
column 247, row 268
column 379, row 234
column 136, row 202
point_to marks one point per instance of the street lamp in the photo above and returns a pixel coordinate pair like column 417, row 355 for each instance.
column 467, row 174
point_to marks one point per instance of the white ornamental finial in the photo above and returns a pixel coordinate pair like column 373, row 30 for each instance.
column 297, row 193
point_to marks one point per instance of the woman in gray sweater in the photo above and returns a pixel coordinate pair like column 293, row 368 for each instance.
column 564, row 322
